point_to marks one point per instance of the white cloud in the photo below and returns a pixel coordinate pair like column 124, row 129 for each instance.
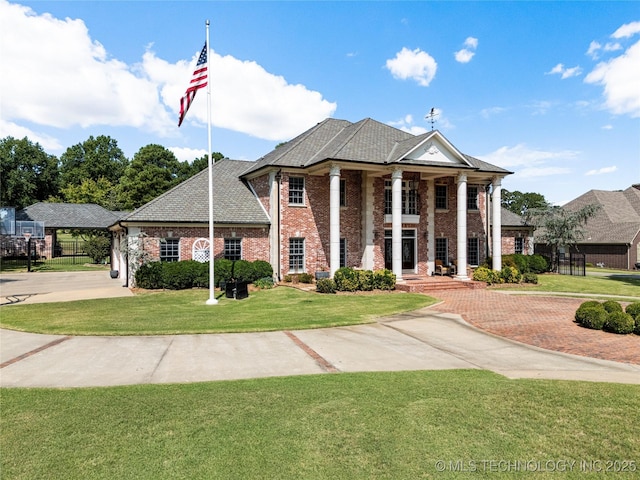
column 85, row 86
column 627, row 30
column 528, row 162
column 188, row 154
column 413, row 64
column 603, row 170
column 607, row 127
column 620, row 77
column 489, row 112
column 47, row 142
column 565, row 72
column 466, row 54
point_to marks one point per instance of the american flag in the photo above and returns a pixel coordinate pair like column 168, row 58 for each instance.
column 198, row 81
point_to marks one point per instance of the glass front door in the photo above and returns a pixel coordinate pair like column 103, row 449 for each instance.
column 408, row 250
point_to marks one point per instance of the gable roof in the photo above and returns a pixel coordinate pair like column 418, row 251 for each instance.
column 617, row 221
column 69, row 215
column 510, row 219
column 188, row 202
column 367, row 141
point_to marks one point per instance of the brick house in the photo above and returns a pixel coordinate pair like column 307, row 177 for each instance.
column 612, row 236
column 364, row 195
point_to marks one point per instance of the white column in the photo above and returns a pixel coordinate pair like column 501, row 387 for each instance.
column 396, row 223
column 496, row 232
column 431, row 229
column 334, row 219
column 368, row 236
column 274, row 231
column 461, row 262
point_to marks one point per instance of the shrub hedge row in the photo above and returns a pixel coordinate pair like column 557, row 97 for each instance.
column 508, row 274
column 523, row 263
column 349, row 280
column 609, row 316
column 190, row 274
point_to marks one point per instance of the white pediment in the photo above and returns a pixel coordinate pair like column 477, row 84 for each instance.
column 436, row 149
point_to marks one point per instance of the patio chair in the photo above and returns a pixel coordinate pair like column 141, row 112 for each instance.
column 441, row 269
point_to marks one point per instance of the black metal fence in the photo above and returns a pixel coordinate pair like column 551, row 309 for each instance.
column 572, row 264
column 14, row 251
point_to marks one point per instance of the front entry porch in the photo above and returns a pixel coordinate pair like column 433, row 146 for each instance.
column 432, row 284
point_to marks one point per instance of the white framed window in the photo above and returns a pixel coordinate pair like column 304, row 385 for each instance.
column 343, row 252
column 473, row 251
column 343, row 192
column 441, row 197
column 170, row 250
column 410, row 204
column 296, row 190
column 296, row 255
column 233, row 248
column 442, row 250
column 519, row 245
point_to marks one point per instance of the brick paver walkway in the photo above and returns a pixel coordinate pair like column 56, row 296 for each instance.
column 546, row 322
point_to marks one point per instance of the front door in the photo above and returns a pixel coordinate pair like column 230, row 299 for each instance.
column 408, row 254
column 408, row 250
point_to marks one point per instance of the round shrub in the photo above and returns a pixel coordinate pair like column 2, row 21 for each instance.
column 262, row 269
column 98, row 248
column 177, row 275
column 305, row 278
column 347, row 280
column 384, row 279
column 612, row 306
column 586, row 305
column 633, row 309
column 636, row 329
column 365, row 280
column 149, row 276
column 530, row 278
column 593, row 317
column 222, row 270
column 325, row 285
column 537, row 263
column 264, row 283
column 485, row 274
column 619, row 322
column 510, row 275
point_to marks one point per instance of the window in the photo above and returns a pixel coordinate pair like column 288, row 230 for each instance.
column 343, row 193
column 519, row 245
column 296, row 191
column 441, row 197
column 343, row 252
column 410, row 198
column 442, row 252
column 170, row 250
column 296, row 255
column 472, row 197
column 473, row 251
column 233, row 248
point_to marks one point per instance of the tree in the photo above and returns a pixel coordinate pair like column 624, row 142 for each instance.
column 153, row 171
column 93, row 159
column 560, row 227
column 27, row 174
column 101, row 192
column 519, row 203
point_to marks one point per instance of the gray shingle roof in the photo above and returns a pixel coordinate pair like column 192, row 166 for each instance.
column 617, row 221
column 510, row 219
column 233, row 201
column 366, row 141
column 69, row 215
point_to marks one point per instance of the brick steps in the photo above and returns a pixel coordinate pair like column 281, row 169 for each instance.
column 426, row 285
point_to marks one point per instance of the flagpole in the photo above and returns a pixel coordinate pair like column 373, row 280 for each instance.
column 212, row 298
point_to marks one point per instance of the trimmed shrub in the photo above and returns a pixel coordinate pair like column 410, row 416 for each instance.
column 510, row 275
column 636, row 329
column 221, row 271
column 325, row 285
column 264, row 283
column 612, row 306
column 485, row 274
column 517, row 260
column 178, row 275
column 633, row 309
column 594, row 317
column 530, row 278
column 366, row 280
column 584, row 306
column 619, row 322
column 537, row 264
column 384, row 279
column 305, row 278
column 347, row 280
column 149, row 276
column 262, row 269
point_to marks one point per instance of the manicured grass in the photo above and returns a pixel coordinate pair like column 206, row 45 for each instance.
column 176, row 312
column 341, row 426
column 620, row 285
column 53, row 265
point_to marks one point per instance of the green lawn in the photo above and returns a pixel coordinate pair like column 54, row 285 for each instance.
column 175, row 312
column 622, row 285
column 341, row 426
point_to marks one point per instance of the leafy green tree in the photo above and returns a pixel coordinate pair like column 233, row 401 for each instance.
column 560, row 227
column 93, row 159
column 200, row 164
column 153, row 171
column 101, row 192
column 27, row 174
column 519, row 203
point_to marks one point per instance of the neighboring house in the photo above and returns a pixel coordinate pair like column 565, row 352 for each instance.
column 65, row 216
column 364, row 195
column 612, row 236
column 517, row 236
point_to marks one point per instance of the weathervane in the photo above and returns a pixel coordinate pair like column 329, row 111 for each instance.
column 431, row 116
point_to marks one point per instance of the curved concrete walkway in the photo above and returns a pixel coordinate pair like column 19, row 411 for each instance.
column 427, row 339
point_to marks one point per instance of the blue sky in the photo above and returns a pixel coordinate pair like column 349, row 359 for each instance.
column 548, row 90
